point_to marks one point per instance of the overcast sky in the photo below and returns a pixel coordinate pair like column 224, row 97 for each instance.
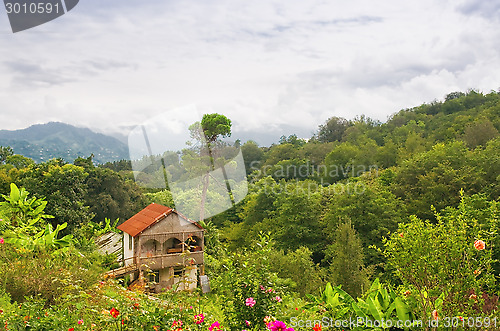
column 113, row 64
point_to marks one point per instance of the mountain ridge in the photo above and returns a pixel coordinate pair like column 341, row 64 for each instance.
column 42, row 142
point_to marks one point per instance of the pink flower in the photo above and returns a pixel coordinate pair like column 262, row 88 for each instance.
column 278, row 298
column 214, row 327
column 247, row 323
column 198, row 319
column 250, row 302
column 80, row 321
column 278, row 326
column 2, row 241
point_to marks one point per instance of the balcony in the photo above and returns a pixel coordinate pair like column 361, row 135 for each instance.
column 173, row 259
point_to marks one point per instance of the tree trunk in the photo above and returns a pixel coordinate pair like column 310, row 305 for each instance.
column 204, row 196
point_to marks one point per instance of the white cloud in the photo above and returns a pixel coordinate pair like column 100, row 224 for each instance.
column 111, row 65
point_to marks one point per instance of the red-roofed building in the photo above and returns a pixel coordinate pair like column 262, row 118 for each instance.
column 162, row 240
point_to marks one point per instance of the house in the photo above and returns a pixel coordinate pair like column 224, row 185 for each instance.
column 163, row 245
column 110, row 243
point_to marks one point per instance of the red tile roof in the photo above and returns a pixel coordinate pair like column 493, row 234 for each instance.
column 147, row 217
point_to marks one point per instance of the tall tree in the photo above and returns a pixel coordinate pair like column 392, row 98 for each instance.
column 108, row 193
column 252, row 154
column 435, row 178
column 208, row 132
column 333, row 129
column 64, row 188
column 479, row 133
column 5, row 152
column 298, row 212
column 347, row 265
column 372, row 208
column 215, row 126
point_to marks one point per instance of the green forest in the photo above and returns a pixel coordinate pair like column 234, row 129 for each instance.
column 363, row 221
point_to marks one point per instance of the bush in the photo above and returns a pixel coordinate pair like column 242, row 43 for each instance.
column 251, row 289
column 43, row 275
column 445, row 266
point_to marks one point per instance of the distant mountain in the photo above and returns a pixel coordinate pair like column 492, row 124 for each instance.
column 43, row 142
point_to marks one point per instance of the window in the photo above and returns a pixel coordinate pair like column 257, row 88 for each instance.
column 130, row 242
column 154, row 276
column 178, row 272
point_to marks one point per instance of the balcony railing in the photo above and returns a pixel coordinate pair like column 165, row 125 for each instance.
column 160, row 261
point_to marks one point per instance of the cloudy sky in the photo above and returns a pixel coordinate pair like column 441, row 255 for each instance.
column 268, row 65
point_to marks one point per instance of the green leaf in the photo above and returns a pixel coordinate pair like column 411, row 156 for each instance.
column 375, row 286
column 358, row 310
column 61, row 226
column 328, row 291
column 39, row 209
column 342, row 312
column 14, row 192
column 439, row 301
column 374, row 309
column 388, row 312
column 33, row 221
column 402, row 310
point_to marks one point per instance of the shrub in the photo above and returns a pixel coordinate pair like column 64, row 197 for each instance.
column 444, row 265
column 252, row 291
column 45, row 275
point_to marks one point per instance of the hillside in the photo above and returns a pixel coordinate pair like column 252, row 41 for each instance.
column 42, row 142
column 410, row 206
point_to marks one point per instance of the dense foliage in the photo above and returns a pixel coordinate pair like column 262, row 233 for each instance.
column 410, row 206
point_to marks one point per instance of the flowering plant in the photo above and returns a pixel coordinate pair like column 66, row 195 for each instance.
column 443, row 263
column 252, row 288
